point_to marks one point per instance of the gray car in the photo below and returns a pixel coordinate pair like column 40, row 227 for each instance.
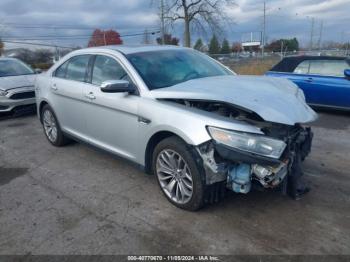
column 16, row 85
column 182, row 116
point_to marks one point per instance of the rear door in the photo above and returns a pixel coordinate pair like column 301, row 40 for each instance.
column 66, row 89
column 112, row 118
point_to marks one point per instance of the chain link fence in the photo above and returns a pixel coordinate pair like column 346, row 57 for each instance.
column 254, row 63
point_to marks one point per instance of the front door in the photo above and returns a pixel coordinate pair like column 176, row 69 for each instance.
column 111, row 118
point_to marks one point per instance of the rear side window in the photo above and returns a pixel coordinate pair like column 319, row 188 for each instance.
column 106, row 68
column 328, row 67
column 303, row 67
column 74, row 69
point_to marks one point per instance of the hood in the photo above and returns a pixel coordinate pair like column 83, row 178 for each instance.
column 273, row 99
column 11, row 82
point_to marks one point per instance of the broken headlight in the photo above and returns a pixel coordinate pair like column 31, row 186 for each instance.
column 3, row 93
column 256, row 144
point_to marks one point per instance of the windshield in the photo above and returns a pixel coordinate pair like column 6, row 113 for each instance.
column 170, row 67
column 14, row 68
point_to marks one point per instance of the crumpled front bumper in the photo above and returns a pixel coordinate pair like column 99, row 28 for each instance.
column 241, row 170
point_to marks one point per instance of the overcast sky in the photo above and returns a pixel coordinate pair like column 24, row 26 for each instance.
column 285, row 18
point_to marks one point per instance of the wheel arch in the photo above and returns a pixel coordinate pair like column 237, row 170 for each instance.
column 152, row 143
column 41, row 106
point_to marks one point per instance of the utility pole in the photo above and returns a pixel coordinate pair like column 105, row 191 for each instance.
column 162, row 21
column 282, row 49
column 320, row 38
column 312, row 32
column 146, row 37
column 263, row 32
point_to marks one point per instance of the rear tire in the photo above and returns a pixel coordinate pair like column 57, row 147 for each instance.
column 178, row 175
column 52, row 128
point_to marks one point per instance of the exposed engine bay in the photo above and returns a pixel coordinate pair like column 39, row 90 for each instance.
column 240, row 171
column 220, row 108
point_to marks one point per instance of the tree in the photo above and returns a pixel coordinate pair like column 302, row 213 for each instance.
column 202, row 13
column 286, row 45
column 236, row 47
column 168, row 40
column 43, row 56
column 1, row 46
column 25, row 55
column 214, row 46
column 108, row 37
column 225, row 49
column 198, row 45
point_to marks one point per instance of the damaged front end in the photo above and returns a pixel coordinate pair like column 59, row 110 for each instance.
column 269, row 153
column 242, row 161
column 242, row 170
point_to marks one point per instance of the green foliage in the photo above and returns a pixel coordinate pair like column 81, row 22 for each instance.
column 288, row 45
column 198, row 45
column 225, row 49
column 214, row 46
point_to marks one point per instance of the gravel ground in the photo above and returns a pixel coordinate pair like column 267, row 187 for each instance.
column 77, row 200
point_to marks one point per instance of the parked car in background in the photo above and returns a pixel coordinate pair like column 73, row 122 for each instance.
column 16, row 86
column 325, row 80
column 183, row 116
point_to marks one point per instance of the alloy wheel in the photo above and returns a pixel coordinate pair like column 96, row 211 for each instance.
column 174, row 176
column 50, row 125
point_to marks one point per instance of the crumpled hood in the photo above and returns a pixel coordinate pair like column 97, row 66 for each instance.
column 273, row 99
column 11, row 82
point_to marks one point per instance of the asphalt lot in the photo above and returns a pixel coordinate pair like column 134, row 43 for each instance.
column 77, row 200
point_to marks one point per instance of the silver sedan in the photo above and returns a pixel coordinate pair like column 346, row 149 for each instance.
column 183, row 117
column 16, row 85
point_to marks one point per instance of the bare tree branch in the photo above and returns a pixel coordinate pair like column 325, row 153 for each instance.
column 200, row 14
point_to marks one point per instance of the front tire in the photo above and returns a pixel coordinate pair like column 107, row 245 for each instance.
column 178, row 175
column 52, row 128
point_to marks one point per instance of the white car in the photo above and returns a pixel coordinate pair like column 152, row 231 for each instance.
column 183, row 116
column 16, row 85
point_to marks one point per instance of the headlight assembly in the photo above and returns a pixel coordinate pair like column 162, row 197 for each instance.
column 256, row 144
column 3, row 93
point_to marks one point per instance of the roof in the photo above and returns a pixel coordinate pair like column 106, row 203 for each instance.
column 8, row 58
column 130, row 49
column 288, row 64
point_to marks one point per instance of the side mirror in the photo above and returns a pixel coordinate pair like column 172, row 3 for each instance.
column 38, row 71
column 116, row 86
column 347, row 74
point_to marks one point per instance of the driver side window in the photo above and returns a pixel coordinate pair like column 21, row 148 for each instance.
column 106, row 68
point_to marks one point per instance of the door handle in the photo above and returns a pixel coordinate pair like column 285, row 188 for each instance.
column 309, row 79
column 54, row 87
column 90, row 96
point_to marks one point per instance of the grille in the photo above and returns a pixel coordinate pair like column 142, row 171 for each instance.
column 24, row 95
